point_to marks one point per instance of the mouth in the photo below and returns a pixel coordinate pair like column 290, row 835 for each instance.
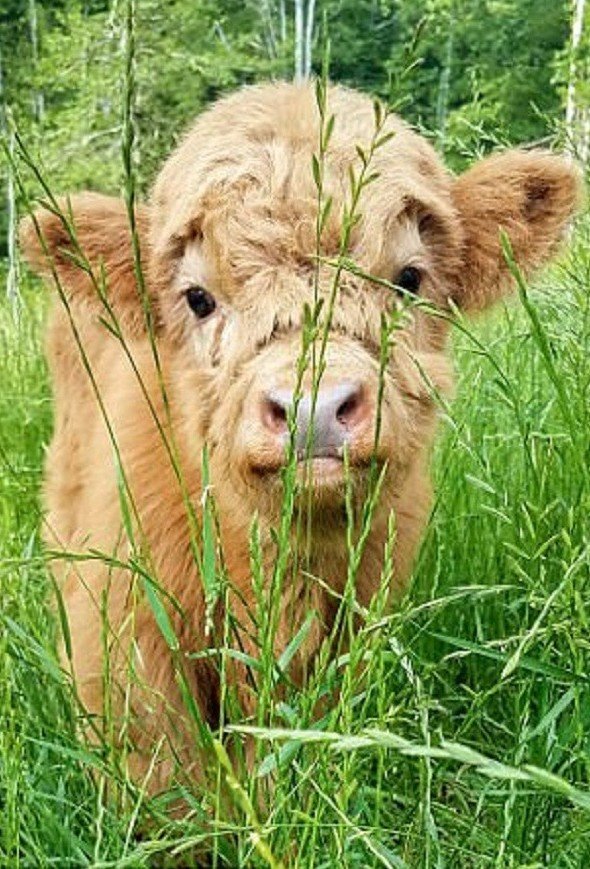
column 324, row 471
column 320, row 473
column 322, row 483
column 317, row 472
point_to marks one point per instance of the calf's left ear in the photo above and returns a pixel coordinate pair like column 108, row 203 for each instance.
column 532, row 196
column 87, row 237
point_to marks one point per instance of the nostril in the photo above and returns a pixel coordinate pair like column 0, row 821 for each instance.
column 347, row 409
column 352, row 410
column 277, row 412
column 274, row 415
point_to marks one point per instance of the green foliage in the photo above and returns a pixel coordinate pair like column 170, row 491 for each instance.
column 487, row 71
column 67, row 102
column 207, row 51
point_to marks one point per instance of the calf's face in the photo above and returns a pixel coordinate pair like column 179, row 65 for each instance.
column 245, row 369
column 235, row 259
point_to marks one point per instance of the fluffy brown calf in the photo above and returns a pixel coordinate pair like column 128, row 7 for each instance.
column 228, row 243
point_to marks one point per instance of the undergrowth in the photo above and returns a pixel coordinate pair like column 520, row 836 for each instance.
column 466, row 742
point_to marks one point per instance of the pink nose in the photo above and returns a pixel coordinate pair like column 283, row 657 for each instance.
column 340, row 412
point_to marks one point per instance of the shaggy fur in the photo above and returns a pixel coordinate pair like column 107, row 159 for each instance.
column 234, row 210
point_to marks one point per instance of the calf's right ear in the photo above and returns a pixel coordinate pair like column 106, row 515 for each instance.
column 87, row 240
column 531, row 196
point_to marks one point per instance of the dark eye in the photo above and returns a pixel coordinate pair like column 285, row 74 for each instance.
column 409, row 279
column 201, row 302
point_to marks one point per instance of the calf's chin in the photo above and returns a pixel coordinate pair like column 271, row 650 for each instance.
column 205, row 353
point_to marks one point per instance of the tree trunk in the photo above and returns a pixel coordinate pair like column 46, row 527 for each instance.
column 309, row 38
column 442, row 104
column 299, row 16
column 583, row 151
column 38, row 98
column 283, row 21
column 577, row 123
column 12, row 276
column 269, row 28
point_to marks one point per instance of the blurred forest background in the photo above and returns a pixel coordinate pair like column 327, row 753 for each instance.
column 486, row 72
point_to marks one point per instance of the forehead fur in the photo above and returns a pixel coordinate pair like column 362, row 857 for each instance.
column 242, row 176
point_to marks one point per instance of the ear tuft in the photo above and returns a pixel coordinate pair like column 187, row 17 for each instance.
column 532, row 196
column 536, row 196
column 47, row 225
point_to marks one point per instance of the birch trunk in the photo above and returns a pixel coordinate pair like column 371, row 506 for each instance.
column 299, row 37
column 584, row 135
column 577, row 27
column 443, row 90
column 38, row 98
column 309, row 24
column 270, row 36
column 576, row 117
column 12, row 276
column 283, row 21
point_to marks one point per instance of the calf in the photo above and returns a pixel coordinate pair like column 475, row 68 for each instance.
column 231, row 262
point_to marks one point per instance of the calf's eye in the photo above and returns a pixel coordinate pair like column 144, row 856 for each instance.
column 409, row 279
column 201, row 302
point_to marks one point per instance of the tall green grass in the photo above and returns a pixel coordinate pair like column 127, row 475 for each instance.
column 455, row 730
column 465, row 742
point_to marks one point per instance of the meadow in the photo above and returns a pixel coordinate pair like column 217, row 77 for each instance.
column 460, row 736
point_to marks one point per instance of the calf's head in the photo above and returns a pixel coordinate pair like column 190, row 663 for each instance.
column 234, row 260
